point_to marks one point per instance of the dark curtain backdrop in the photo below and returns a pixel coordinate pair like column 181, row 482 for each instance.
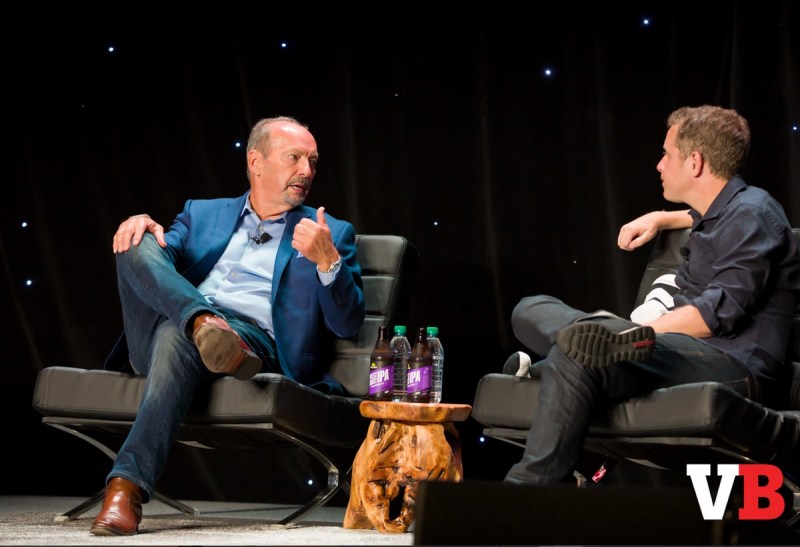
column 439, row 123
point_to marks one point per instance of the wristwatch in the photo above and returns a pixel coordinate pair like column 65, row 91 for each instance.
column 333, row 267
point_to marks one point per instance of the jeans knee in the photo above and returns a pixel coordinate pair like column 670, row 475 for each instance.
column 147, row 249
column 525, row 309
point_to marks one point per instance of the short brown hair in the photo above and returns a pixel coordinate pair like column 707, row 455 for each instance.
column 721, row 135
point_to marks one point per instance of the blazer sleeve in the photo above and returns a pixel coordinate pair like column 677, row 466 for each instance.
column 342, row 302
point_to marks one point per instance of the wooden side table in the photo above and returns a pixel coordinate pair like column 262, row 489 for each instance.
column 406, row 443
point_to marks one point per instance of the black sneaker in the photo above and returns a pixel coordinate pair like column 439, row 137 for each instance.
column 591, row 343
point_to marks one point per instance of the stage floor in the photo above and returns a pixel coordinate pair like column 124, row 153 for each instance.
column 30, row 520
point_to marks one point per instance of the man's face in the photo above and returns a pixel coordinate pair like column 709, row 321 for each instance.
column 290, row 164
column 676, row 178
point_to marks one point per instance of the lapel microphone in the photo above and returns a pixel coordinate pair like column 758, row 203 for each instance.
column 262, row 239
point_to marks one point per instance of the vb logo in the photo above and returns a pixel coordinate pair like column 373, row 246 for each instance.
column 754, row 490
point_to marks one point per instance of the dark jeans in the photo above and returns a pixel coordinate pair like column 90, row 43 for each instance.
column 157, row 306
column 570, row 390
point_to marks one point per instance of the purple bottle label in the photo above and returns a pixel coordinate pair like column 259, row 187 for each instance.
column 381, row 379
column 419, row 379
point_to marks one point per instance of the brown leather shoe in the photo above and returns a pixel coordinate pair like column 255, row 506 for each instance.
column 222, row 349
column 122, row 510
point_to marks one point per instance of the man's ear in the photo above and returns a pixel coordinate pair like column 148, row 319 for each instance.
column 696, row 163
column 254, row 160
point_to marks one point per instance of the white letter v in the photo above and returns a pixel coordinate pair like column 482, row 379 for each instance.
column 712, row 509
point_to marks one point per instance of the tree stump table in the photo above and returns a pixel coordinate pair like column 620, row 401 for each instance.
column 406, row 443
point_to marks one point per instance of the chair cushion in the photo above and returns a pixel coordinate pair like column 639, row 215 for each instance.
column 503, row 400
column 704, row 409
column 266, row 398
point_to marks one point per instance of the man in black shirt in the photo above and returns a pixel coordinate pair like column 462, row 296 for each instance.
column 733, row 310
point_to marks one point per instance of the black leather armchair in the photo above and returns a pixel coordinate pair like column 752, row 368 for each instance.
column 693, row 423
column 99, row 406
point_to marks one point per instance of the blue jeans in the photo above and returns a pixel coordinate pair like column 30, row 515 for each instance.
column 569, row 390
column 158, row 305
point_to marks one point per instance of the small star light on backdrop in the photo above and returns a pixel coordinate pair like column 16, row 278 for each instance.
column 28, row 281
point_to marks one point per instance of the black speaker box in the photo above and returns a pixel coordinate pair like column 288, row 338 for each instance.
column 483, row 513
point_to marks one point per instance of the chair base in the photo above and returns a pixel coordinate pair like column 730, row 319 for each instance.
column 333, row 486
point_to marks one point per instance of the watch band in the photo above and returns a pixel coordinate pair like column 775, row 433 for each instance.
column 334, row 265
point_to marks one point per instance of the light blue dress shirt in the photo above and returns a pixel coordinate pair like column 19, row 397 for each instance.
column 241, row 281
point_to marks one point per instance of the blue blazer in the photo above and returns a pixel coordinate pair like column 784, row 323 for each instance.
column 306, row 315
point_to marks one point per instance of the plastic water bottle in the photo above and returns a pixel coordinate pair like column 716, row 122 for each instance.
column 381, row 368
column 401, row 348
column 437, row 364
column 418, row 383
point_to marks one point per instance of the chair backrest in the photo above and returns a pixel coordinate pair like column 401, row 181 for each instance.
column 388, row 270
column 666, row 257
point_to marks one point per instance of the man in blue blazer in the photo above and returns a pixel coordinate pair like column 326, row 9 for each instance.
column 235, row 286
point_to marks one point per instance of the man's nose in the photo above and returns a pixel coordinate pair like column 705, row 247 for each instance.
column 305, row 167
